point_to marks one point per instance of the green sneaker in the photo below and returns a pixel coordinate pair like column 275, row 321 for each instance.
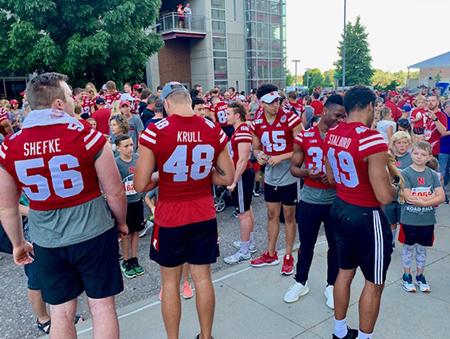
column 128, row 269
column 137, row 268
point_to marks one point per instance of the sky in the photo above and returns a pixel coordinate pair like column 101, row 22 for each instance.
column 401, row 32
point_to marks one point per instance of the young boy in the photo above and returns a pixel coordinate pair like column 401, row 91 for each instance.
column 126, row 162
column 423, row 191
column 418, row 115
column 401, row 142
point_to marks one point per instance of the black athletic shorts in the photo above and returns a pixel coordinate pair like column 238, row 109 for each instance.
column 243, row 192
column 92, row 266
column 363, row 238
column 196, row 243
column 135, row 216
column 411, row 235
column 287, row 195
column 392, row 212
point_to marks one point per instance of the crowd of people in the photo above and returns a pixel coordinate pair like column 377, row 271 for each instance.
column 360, row 162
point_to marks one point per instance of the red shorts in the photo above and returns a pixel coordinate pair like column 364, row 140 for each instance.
column 256, row 166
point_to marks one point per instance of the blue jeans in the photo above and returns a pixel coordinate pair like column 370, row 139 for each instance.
column 444, row 167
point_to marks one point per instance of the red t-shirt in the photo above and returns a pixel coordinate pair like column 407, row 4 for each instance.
column 241, row 134
column 416, row 113
column 220, row 112
column 276, row 138
column 318, row 107
column 347, row 145
column 54, row 165
column 298, row 106
column 432, row 134
column 396, row 112
column 312, row 145
column 102, row 117
column 186, row 149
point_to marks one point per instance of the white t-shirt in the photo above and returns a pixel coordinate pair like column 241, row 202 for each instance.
column 383, row 126
column 187, row 11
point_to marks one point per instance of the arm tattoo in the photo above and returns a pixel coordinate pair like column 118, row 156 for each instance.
column 220, row 171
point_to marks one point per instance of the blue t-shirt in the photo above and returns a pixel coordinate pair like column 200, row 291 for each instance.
column 445, row 141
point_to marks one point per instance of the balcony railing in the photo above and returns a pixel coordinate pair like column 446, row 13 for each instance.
column 170, row 22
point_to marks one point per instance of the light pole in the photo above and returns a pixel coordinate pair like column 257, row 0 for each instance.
column 307, row 77
column 296, row 62
column 343, row 57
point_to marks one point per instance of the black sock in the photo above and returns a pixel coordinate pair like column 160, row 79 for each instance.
column 256, row 185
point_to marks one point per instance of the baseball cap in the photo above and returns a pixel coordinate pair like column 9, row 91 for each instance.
column 23, row 93
column 270, row 97
column 13, row 101
column 241, row 97
column 137, row 86
column 124, row 102
column 171, row 87
column 100, row 101
column 394, row 94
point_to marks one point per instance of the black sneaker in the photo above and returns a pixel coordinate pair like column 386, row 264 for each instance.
column 198, row 337
column 352, row 334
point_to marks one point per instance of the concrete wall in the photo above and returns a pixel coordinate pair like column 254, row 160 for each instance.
column 236, row 44
column 427, row 72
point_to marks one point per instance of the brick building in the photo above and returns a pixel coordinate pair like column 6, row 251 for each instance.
column 429, row 69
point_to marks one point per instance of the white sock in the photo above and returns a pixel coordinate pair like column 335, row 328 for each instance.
column 394, row 232
column 340, row 328
column 153, row 211
column 244, row 247
column 251, row 238
column 362, row 335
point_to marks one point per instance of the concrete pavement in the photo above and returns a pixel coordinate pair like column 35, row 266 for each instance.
column 249, row 302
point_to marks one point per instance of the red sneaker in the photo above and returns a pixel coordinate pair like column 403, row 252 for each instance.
column 265, row 260
column 288, row 265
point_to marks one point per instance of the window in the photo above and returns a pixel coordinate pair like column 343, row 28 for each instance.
column 219, row 44
column 218, row 28
column 217, row 14
column 219, row 54
column 218, row 4
column 220, row 69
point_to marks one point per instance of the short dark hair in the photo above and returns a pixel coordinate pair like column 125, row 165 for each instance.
column 146, row 93
column 358, row 98
column 196, row 101
column 152, row 98
column 264, row 89
column 316, row 95
column 194, row 93
column 120, row 138
column 335, row 99
column 292, row 95
column 234, row 89
column 45, row 88
column 159, row 88
column 127, row 84
column 78, row 90
column 239, row 108
column 196, row 87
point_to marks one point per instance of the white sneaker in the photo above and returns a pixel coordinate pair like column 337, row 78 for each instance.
column 147, row 226
column 251, row 249
column 422, row 283
column 237, row 258
column 329, row 295
column 295, row 292
column 407, row 283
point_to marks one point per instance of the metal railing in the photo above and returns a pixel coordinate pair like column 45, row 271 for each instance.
column 170, row 22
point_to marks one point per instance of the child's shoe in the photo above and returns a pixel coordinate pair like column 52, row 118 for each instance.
column 422, row 283
column 407, row 282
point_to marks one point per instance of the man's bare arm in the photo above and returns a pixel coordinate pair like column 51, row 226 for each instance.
column 380, row 179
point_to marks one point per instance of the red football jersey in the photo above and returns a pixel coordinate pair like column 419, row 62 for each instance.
column 241, row 134
column 277, row 137
column 186, row 148
column 3, row 116
column 312, row 145
column 86, row 106
column 111, row 98
column 346, row 147
column 54, row 165
column 432, row 134
column 298, row 106
column 220, row 112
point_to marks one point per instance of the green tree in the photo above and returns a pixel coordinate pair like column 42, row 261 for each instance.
column 87, row 40
column 328, row 78
column 438, row 77
column 358, row 69
column 290, row 78
column 315, row 78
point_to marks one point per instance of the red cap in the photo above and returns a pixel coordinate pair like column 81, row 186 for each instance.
column 136, row 86
column 22, row 93
column 124, row 102
column 13, row 101
column 394, row 94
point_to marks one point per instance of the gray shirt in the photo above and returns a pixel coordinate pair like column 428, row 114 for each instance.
column 421, row 184
column 309, row 113
column 279, row 175
column 317, row 196
column 126, row 170
column 136, row 126
column 69, row 226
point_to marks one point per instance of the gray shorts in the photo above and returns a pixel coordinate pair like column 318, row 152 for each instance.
column 153, row 193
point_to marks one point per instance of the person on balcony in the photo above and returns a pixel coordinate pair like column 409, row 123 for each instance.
column 188, row 13
column 180, row 16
